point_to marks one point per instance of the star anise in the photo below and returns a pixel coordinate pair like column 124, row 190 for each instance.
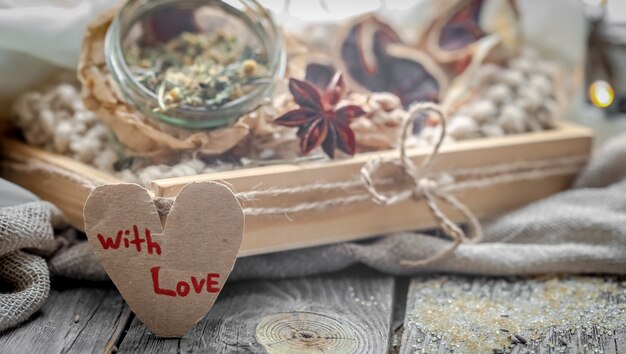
column 319, row 121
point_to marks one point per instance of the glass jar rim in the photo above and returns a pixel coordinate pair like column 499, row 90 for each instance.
column 189, row 116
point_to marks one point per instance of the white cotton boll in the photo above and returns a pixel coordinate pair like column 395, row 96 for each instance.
column 483, row 111
column 105, row 160
column 62, row 136
column 462, row 127
column 429, row 132
column 23, row 107
column 80, row 127
column 446, row 140
column 96, row 133
column 512, row 119
column 413, row 141
column 530, row 53
column 209, row 170
column 547, row 68
column 486, row 74
column 512, row 78
column 181, row 170
column 542, row 84
column 84, row 117
column 66, row 93
column 524, row 104
column 532, row 97
column 127, row 176
column 499, row 93
column 78, row 105
column 492, row 130
column 521, row 64
column 266, row 154
column 196, row 165
column 35, row 137
column 549, row 113
column 533, row 125
column 149, row 174
column 47, row 120
column 86, row 149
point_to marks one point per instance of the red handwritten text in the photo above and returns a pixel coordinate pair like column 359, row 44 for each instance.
column 183, row 288
column 123, row 236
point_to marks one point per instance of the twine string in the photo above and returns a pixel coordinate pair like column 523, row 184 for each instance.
column 424, row 188
column 433, row 188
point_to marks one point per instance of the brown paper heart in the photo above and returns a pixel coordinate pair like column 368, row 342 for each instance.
column 170, row 278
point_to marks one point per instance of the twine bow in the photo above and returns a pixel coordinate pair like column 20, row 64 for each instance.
column 424, row 188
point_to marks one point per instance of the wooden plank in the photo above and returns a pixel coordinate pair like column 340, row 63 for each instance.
column 63, row 191
column 73, row 320
column 346, row 312
column 270, row 233
column 524, row 297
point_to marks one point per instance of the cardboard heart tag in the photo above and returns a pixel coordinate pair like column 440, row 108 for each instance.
column 169, row 276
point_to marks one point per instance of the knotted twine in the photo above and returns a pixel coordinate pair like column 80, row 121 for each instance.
column 424, row 188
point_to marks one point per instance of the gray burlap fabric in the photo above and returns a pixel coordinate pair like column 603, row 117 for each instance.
column 27, row 226
column 582, row 230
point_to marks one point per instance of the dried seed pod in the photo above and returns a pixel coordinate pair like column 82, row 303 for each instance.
column 371, row 55
column 319, row 74
column 458, row 25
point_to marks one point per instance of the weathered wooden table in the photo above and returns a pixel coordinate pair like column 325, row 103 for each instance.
column 356, row 311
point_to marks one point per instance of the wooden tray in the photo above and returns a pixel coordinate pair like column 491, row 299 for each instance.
column 270, row 233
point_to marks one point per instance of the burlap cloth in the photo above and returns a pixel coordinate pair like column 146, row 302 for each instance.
column 582, row 230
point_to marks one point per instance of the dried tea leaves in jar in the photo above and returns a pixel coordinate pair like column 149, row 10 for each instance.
column 204, row 70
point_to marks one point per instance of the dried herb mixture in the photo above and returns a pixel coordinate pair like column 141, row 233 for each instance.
column 198, row 69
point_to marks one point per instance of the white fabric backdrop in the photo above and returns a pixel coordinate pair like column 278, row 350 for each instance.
column 39, row 36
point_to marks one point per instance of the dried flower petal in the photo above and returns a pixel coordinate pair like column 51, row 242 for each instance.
column 330, row 143
column 346, row 140
column 335, row 90
column 305, row 94
column 296, row 117
column 314, row 135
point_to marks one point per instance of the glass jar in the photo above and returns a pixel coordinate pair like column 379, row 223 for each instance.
column 223, row 42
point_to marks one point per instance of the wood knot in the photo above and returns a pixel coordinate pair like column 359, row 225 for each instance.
column 305, row 332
